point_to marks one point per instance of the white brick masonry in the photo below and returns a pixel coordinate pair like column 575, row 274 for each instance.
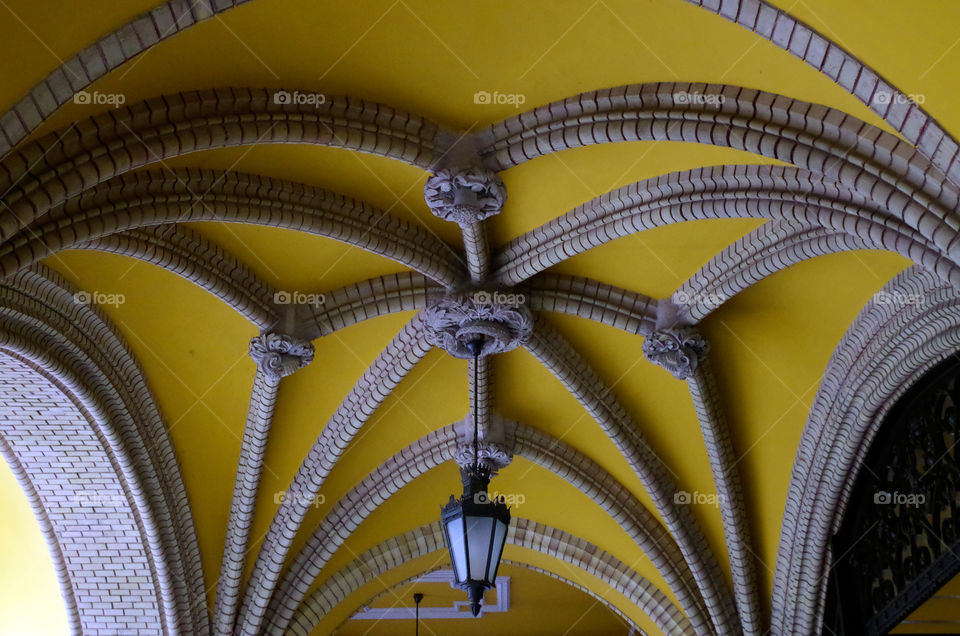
column 85, row 502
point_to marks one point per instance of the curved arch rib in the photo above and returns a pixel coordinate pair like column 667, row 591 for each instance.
column 390, row 367
column 553, row 575
column 774, row 246
column 277, row 356
column 551, row 350
column 43, row 324
column 902, row 113
column 477, row 249
column 379, row 296
column 823, row 140
column 263, row 399
column 711, row 193
column 188, row 254
column 723, row 464
column 577, row 586
column 98, row 59
column 593, row 300
column 144, row 199
column 57, row 167
column 534, row 536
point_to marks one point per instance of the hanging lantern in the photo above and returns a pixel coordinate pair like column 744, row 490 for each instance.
column 474, row 526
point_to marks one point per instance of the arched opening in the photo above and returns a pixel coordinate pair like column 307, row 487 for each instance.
column 898, row 542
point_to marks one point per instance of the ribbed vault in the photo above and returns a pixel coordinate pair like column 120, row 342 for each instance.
column 352, row 401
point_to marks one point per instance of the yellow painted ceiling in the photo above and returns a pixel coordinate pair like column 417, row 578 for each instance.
column 771, row 343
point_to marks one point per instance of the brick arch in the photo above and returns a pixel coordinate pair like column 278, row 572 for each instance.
column 24, row 478
column 889, row 346
column 97, row 542
column 104, row 400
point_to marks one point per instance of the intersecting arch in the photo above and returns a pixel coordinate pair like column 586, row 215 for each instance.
column 438, row 447
column 538, row 537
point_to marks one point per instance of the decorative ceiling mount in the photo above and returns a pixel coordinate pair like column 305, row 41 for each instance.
column 494, row 452
column 465, row 196
column 279, row 355
column 502, row 320
column 677, row 349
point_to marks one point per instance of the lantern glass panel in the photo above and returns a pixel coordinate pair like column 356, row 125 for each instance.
column 479, row 530
column 458, row 554
column 500, row 534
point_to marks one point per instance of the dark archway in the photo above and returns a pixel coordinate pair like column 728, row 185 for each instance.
column 899, row 540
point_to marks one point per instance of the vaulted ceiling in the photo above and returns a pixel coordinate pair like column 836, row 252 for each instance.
column 666, row 166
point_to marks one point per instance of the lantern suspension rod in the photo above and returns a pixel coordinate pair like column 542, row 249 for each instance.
column 476, row 409
column 416, row 599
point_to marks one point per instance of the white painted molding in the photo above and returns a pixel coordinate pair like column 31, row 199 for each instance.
column 460, row 609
